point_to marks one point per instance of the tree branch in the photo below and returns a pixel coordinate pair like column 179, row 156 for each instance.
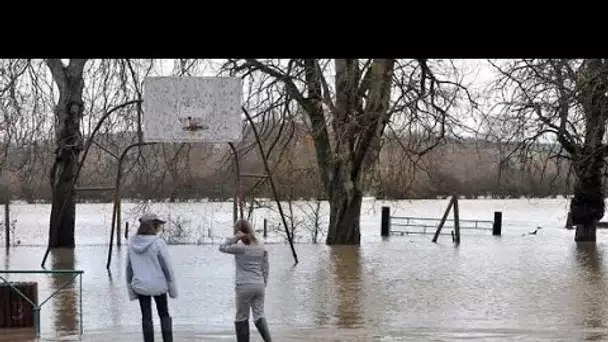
column 58, row 72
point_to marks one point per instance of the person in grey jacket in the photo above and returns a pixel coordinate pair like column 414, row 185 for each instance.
column 150, row 274
column 251, row 278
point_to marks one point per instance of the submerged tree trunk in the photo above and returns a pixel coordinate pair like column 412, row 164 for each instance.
column 344, row 213
column 587, row 206
column 586, row 233
column 344, row 221
column 357, row 117
column 360, row 114
column 68, row 113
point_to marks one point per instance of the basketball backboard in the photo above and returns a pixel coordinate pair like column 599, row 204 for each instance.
column 192, row 109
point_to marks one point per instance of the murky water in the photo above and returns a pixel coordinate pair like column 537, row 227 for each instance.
column 517, row 287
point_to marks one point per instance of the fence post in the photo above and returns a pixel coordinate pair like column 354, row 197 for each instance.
column 456, row 221
column 385, row 225
column 569, row 224
column 497, row 226
column 127, row 230
column 118, row 223
column 265, row 228
column 444, row 218
column 7, row 224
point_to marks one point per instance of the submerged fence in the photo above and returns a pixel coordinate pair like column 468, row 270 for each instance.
column 411, row 225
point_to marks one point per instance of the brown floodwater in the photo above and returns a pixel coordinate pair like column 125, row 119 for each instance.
column 517, row 287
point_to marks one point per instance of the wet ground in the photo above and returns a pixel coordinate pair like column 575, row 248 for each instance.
column 517, row 287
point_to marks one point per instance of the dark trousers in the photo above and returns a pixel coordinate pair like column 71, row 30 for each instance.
column 145, row 304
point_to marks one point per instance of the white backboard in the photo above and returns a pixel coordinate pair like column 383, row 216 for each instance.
column 192, row 109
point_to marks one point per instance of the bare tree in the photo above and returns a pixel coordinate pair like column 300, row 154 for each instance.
column 348, row 113
column 68, row 114
column 566, row 100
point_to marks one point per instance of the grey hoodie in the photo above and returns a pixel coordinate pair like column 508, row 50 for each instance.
column 149, row 268
column 251, row 261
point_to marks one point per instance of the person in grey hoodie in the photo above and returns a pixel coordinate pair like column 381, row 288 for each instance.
column 251, row 278
column 150, row 274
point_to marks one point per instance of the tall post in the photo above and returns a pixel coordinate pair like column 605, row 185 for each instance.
column 116, row 206
column 444, row 218
column 238, row 193
column 497, row 226
column 265, row 228
column 456, row 221
column 235, row 215
column 385, row 224
column 271, row 182
column 36, row 314
column 7, row 224
column 118, row 219
column 569, row 224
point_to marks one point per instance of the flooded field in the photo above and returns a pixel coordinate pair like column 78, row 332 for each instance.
column 516, row 287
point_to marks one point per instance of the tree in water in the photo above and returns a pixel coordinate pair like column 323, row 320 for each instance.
column 27, row 97
column 565, row 99
column 348, row 105
column 68, row 114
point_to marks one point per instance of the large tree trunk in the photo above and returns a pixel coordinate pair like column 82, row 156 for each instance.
column 586, row 233
column 358, row 127
column 587, row 206
column 344, row 220
column 68, row 114
column 358, row 118
column 344, row 212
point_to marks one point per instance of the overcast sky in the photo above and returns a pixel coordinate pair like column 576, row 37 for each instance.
column 477, row 75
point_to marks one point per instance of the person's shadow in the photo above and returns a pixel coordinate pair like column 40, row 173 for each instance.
column 589, row 260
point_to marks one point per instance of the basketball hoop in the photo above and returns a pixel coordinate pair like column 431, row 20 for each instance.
column 192, row 109
column 193, row 124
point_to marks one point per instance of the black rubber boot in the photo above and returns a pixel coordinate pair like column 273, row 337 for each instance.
column 242, row 331
column 148, row 329
column 166, row 326
column 263, row 329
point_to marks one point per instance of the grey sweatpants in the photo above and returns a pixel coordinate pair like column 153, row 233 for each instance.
column 249, row 297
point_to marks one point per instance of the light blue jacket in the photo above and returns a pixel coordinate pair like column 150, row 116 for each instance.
column 149, row 268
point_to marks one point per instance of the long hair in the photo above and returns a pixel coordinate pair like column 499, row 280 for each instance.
column 147, row 228
column 244, row 226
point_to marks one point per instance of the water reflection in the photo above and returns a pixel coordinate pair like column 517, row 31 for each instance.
column 65, row 302
column 589, row 260
column 537, row 289
column 346, row 266
column 117, row 290
column 322, row 293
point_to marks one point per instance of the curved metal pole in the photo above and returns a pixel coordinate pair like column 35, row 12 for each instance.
column 117, row 196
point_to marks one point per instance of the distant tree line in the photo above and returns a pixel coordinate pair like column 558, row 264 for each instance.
column 182, row 172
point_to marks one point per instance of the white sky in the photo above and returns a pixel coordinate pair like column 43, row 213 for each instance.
column 478, row 73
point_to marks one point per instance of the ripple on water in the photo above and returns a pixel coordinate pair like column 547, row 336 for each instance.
column 512, row 288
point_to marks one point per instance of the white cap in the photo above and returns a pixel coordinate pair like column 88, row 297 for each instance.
column 147, row 217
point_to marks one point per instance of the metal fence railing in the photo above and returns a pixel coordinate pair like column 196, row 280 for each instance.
column 401, row 225
column 37, row 307
column 406, row 225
